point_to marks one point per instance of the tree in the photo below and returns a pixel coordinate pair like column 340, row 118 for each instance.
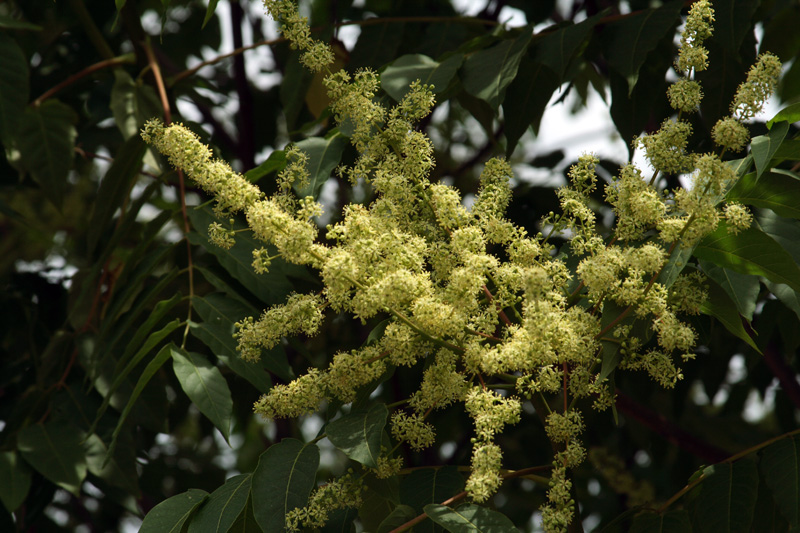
column 445, row 347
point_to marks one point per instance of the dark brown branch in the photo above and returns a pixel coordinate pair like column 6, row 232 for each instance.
column 781, row 370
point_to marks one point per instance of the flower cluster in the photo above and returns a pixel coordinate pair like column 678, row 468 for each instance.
column 493, row 314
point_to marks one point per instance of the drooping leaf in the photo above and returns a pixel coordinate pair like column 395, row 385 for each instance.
column 16, row 476
column 358, row 434
column 742, row 288
column 212, row 6
column 377, row 45
column 764, row 147
column 790, row 114
column 732, row 21
column 488, row 73
column 784, row 231
column 773, row 191
column 526, row 99
column 324, row 154
column 282, row 481
column 54, row 449
column 750, row 252
column 220, row 313
column 628, row 41
column 204, row 384
column 13, row 86
column 275, row 162
column 120, row 469
column 16, row 24
column 270, row 288
column 222, row 508
column 470, row 518
column 780, row 466
column 788, row 297
column 170, row 515
column 132, row 104
column 727, row 498
column 399, row 516
column 720, row 306
column 46, row 138
column 114, row 187
column 558, row 49
column 397, row 77
column 669, row 522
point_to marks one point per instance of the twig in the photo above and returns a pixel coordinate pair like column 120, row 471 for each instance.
column 113, row 62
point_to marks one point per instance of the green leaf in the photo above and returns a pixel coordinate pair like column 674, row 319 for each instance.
column 764, row 147
column 788, row 114
column 720, row 306
column 526, row 99
column 780, row 466
column 627, row 41
column 487, row 73
column 270, row 288
column 743, row 289
column 727, row 498
column 246, row 521
column 222, row 508
column 132, row 104
column 13, row 86
column 399, row 516
column 786, row 295
column 750, row 252
column 558, row 49
column 114, row 188
column 784, row 231
column 220, row 313
column 46, row 138
column 470, row 518
column 429, row 485
column 732, row 22
column 204, row 385
column 16, row 24
column 397, row 77
column 274, row 163
column 170, row 515
column 120, row 4
column 773, row 191
column 212, row 6
column 282, row 481
column 377, row 45
column 54, row 449
column 358, row 434
column 669, row 522
column 119, row 470
column 324, row 155
column 149, row 371
column 16, row 478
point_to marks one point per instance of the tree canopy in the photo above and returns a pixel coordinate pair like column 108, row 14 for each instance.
column 261, row 281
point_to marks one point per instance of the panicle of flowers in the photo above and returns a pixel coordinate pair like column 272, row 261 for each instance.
column 692, row 54
column 316, row 55
column 337, row 494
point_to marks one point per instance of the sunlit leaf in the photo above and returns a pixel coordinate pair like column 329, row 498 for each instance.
column 764, row 147
column 397, row 77
column 170, row 515
column 54, row 449
column 743, row 289
column 470, row 518
column 358, row 434
column 720, row 306
column 324, row 155
column 773, row 191
column 282, row 481
column 788, row 114
column 204, row 384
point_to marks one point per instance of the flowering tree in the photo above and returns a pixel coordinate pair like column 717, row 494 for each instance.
column 427, row 356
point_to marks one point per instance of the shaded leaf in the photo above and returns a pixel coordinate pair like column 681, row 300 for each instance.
column 397, row 77
column 788, row 114
column 558, row 49
column 13, row 86
column 16, row 478
column 358, row 434
column 246, row 521
column 727, row 498
column 773, row 191
column 780, row 466
column 16, row 24
column 784, row 231
column 324, row 155
column 487, row 73
column 54, row 449
column 669, row 522
column 750, row 252
column 341, row 521
column 223, row 507
column 429, row 485
column 274, row 163
column 204, row 385
column 786, row 295
column 399, row 516
column 764, row 147
column 377, row 45
column 282, row 481
column 120, row 469
column 732, row 21
column 628, row 41
column 719, row 305
column 46, row 138
column 170, row 515
column 526, row 99
column 742, row 288
column 470, row 518
column 212, row 6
